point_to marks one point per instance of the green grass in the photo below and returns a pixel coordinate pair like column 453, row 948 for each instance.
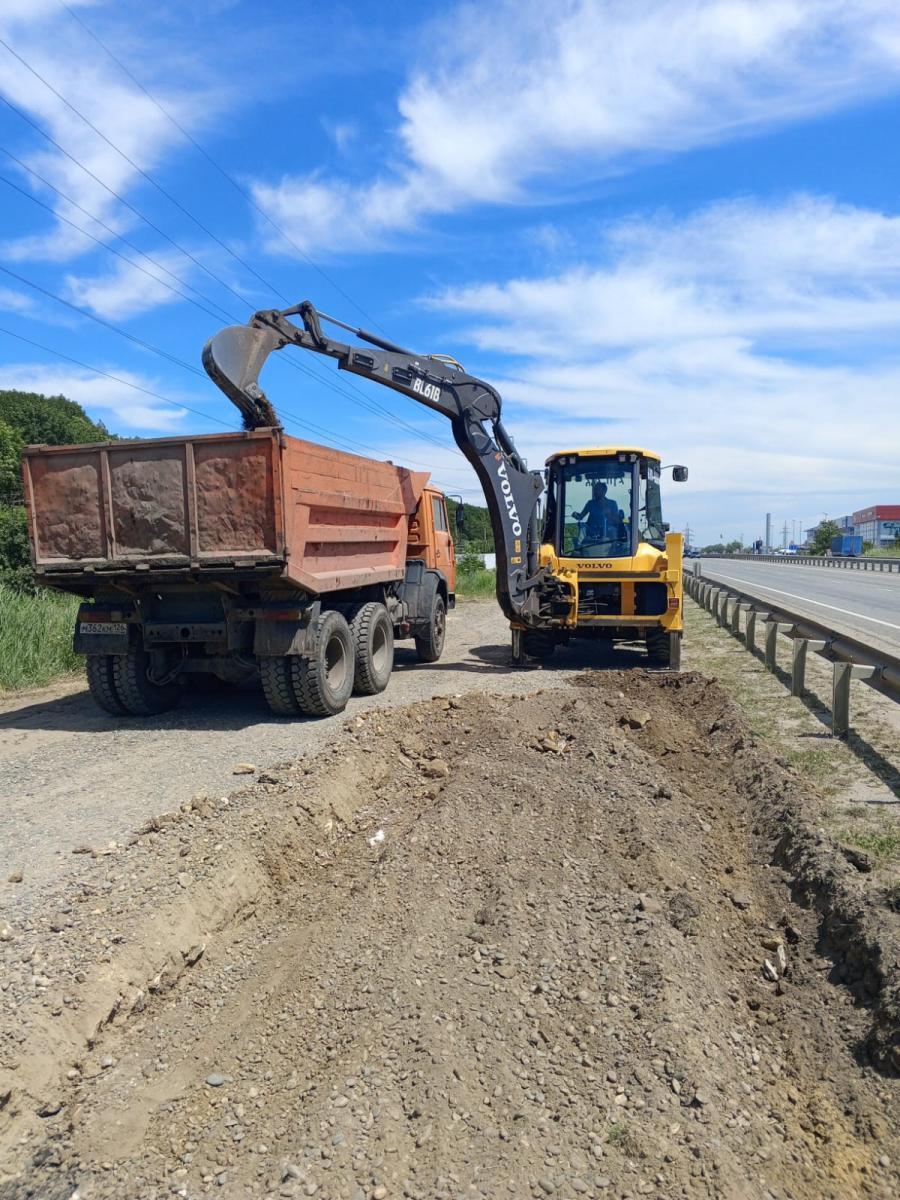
column 35, row 637
column 474, row 582
column 883, row 847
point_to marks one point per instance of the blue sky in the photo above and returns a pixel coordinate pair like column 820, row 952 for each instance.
column 666, row 222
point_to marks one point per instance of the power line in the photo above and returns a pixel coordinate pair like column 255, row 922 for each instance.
column 107, row 375
column 371, row 405
column 127, row 204
column 248, row 196
column 140, row 170
column 173, row 200
column 157, row 395
column 287, row 415
column 103, row 225
column 365, row 402
column 100, row 321
column 106, row 246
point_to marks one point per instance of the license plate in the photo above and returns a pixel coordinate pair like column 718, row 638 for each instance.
column 107, row 627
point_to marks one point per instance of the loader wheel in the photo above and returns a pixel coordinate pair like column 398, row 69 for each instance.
column 373, row 640
column 323, row 680
column 136, row 691
column 99, row 670
column 664, row 648
column 430, row 644
column 278, row 686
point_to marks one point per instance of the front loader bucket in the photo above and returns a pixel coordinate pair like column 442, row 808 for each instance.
column 233, row 360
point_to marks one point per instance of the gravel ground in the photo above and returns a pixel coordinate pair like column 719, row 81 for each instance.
column 508, row 945
column 72, row 776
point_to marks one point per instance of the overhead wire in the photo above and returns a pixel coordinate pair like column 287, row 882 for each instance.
column 365, row 401
column 172, row 358
column 248, row 196
column 108, row 375
column 325, row 379
column 373, row 404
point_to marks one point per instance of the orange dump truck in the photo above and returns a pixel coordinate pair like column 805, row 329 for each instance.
column 239, row 555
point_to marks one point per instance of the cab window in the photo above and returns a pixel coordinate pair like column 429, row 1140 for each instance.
column 440, row 515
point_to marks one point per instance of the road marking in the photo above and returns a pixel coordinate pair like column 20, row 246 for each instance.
column 793, row 595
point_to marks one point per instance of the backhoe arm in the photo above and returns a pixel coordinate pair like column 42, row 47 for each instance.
column 234, row 358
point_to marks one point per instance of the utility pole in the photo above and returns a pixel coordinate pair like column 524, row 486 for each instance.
column 768, row 533
column 687, row 537
column 784, row 536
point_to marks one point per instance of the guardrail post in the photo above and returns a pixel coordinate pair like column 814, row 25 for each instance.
column 798, row 662
column 773, row 628
column 722, row 615
column 844, row 673
column 750, row 638
column 736, row 617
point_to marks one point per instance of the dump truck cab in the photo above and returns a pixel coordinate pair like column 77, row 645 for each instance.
column 612, row 568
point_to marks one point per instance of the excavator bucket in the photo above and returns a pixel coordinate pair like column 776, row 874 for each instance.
column 233, row 360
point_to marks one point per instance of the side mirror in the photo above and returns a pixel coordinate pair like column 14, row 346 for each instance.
column 666, row 526
column 459, row 516
column 679, row 474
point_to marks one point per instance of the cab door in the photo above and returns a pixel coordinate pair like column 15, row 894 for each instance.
column 444, row 550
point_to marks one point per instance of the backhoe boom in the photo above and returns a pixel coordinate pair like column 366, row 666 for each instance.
column 235, row 356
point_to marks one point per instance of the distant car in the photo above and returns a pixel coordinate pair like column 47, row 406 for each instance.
column 692, row 553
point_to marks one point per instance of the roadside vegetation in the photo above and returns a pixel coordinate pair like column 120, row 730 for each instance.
column 35, row 637
column 858, row 780
column 473, row 579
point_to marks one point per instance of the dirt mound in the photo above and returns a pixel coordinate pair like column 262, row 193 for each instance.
column 535, row 945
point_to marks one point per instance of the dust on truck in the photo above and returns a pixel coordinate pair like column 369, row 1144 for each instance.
column 239, row 555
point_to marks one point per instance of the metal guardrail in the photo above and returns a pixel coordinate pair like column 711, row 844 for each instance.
column 816, row 560
column 851, row 659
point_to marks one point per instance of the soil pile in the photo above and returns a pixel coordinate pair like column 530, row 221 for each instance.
column 496, row 946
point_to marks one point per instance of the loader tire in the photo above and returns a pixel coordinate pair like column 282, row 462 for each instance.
column 430, row 642
column 136, row 691
column 99, row 670
column 373, row 642
column 323, row 678
column 278, row 685
column 664, row 648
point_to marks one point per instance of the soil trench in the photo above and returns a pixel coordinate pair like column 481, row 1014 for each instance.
column 491, row 946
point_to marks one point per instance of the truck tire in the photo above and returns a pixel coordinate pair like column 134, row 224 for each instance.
column 664, row 648
column 99, row 670
column 278, row 685
column 140, row 696
column 430, row 643
column 373, row 642
column 323, row 679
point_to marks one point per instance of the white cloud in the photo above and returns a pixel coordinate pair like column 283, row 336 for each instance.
column 690, row 337
column 805, row 269
column 120, row 407
column 13, row 301
column 522, row 90
column 46, row 38
column 126, row 290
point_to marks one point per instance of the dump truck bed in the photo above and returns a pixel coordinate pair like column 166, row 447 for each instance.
column 258, row 502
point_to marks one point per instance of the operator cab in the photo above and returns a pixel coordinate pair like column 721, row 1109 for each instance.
column 603, row 503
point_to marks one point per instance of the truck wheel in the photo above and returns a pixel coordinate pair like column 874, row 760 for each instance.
column 430, row 644
column 99, row 670
column 664, row 648
column 278, row 686
column 323, row 680
column 139, row 695
column 373, row 640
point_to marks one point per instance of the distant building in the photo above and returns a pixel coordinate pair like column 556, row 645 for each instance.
column 879, row 524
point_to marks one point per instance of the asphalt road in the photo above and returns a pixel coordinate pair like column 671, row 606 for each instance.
column 861, row 604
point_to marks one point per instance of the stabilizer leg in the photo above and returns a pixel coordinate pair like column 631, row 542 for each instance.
column 517, row 655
